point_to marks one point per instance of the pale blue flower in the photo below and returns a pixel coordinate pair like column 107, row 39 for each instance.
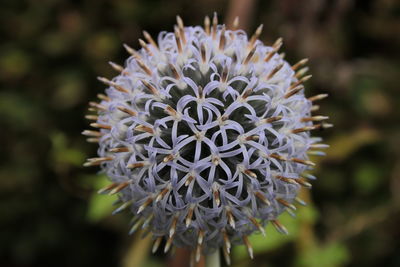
column 205, row 136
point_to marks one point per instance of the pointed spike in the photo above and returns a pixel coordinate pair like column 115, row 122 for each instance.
column 316, row 153
column 215, row 161
column 222, row 39
column 168, row 244
column 93, row 140
column 293, row 91
column 131, row 51
column 273, row 119
column 252, row 138
column 274, row 71
column 116, row 67
column 181, row 29
column 97, row 106
column 127, row 111
column 214, row 25
column 227, row 257
column 258, row 225
column 162, row 193
column 135, row 165
column 291, row 213
column 168, row 158
column 149, row 39
column 235, row 24
column 317, row 97
column 100, row 125
column 207, row 25
column 224, row 74
column 136, row 226
column 189, row 216
column 120, row 149
column 250, row 174
column 172, row 229
column 271, row 53
column 278, row 43
column 261, row 196
column 299, row 64
column 178, row 41
column 107, row 188
column 215, row 190
column 279, row 227
column 319, row 146
column 96, row 161
column 314, row 108
column 148, row 201
column 326, row 125
column 302, row 161
column 286, row 204
column 143, row 128
column 305, row 78
column 179, row 21
column 156, row 244
column 113, row 84
column 122, row 207
column 259, row 30
column 200, row 237
column 300, row 201
column 231, row 219
column 249, row 55
column 304, row 129
column 286, row 180
column 103, row 97
column 256, row 35
column 200, row 88
column 314, row 118
column 200, row 240
column 171, row 111
column 119, row 187
column 143, row 66
column 145, row 47
column 174, row 71
column 189, row 180
column 146, row 223
column 304, row 183
column 198, row 253
column 299, row 82
column 227, row 242
column 248, row 246
column 301, row 72
column 203, row 53
column 92, row 117
column 309, row 176
column 278, row 157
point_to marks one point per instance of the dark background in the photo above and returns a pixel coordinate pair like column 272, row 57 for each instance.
column 50, row 54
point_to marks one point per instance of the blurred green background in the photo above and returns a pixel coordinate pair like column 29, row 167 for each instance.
column 50, row 54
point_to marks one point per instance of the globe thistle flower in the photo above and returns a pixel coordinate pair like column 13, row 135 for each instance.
column 205, row 135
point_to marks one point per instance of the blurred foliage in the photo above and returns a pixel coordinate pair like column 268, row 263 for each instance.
column 99, row 205
column 52, row 50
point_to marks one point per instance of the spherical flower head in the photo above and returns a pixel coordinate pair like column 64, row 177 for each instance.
column 205, row 135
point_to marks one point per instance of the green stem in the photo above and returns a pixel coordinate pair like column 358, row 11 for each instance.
column 212, row 260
